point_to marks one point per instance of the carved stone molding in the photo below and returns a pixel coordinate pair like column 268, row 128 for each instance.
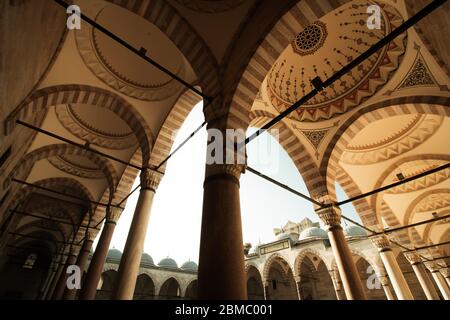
column 330, row 216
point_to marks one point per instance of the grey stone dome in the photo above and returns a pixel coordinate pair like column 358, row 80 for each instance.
column 168, row 263
column 147, row 259
column 291, row 236
column 114, row 254
column 189, row 266
column 354, row 231
column 313, row 233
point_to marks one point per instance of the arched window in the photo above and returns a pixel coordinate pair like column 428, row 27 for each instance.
column 30, row 261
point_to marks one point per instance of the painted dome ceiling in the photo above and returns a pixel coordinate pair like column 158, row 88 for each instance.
column 126, row 72
column 385, row 139
column 413, row 168
column 326, row 46
column 77, row 165
column 100, row 126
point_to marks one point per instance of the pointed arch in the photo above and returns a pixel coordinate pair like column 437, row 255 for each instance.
column 88, row 95
column 434, row 105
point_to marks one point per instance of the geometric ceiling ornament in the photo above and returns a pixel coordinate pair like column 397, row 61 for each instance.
column 122, row 70
column 78, row 166
column 310, row 39
column 326, row 46
column 210, row 6
column 315, row 137
column 82, row 121
column 421, row 183
column 419, row 75
column 434, row 202
column 385, row 144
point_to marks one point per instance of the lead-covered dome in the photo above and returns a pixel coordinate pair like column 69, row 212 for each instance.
column 189, row 266
column 291, row 236
column 146, row 259
column 313, row 233
column 114, row 254
column 168, row 263
column 354, row 231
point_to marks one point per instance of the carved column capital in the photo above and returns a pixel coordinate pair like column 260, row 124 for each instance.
column 113, row 214
column 224, row 171
column 150, row 179
column 331, row 216
column 74, row 251
column 446, row 272
column 433, row 267
column 90, row 236
column 413, row 257
column 382, row 243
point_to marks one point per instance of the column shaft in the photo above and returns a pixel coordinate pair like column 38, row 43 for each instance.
column 69, row 294
column 425, row 281
column 55, row 279
column 89, row 288
column 222, row 276
column 388, row 292
column 347, row 269
column 441, row 283
column 61, row 285
column 266, row 292
column 134, row 247
column 398, row 281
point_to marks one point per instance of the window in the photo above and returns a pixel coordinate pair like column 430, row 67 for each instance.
column 29, row 263
column 274, row 284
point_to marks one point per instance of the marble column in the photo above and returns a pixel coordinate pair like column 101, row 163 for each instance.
column 61, row 285
column 59, row 270
column 94, row 273
column 387, row 290
column 298, row 281
column 446, row 273
column 349, row 275
column 221, row 273
column 337, row 284
column 134, row 247
column 69, row 294
column 439, row 279
column 393, row 270
column 266, row 290
column 422, row 276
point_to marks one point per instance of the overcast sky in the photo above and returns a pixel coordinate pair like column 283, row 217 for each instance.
column 174, row 228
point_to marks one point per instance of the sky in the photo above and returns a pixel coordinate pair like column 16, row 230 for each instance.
column 175, row 221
